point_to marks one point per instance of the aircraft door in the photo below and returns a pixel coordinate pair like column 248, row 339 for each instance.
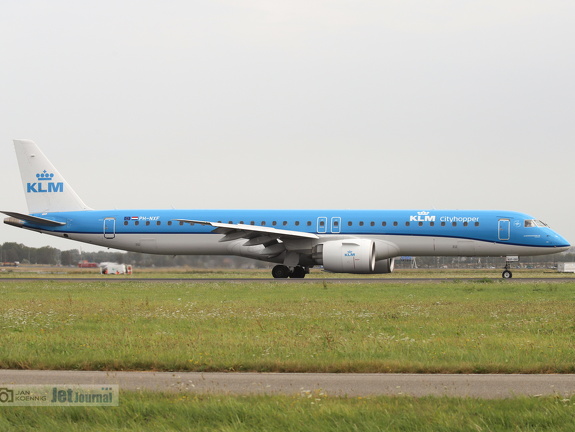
column 109, row 228
column 504, row 229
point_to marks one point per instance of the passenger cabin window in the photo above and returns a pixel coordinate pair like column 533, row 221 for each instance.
column 335, row 223
column 308, row 223
column 372, row 223
column 321, row 223
column 384, row 223
column 284, row 223
column 406, row 223
column 350, row 223
column 395, row 224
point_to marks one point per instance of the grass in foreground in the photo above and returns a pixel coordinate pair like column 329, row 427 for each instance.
column 447, row 327
column 306, row 412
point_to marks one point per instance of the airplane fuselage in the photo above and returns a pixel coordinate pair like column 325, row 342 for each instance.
column 342, row 241
column 412, row 232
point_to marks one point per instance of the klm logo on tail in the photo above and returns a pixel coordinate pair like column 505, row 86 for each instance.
column 44, row 183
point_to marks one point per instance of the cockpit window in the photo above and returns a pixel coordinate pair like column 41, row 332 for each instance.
column 529, row 223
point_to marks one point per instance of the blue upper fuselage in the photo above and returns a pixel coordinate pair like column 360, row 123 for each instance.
column 483, row 225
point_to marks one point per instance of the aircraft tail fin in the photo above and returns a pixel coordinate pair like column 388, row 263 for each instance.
column 44, row 187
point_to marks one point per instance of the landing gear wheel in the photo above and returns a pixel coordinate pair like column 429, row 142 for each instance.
column 281, row 272
column 506, row 274
column 298, row 273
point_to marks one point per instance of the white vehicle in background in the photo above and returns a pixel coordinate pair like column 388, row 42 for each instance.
column 566, row 267
column 107, row 268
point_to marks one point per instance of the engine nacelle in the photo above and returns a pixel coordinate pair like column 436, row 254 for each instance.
column 385, row 265
column 351, row 256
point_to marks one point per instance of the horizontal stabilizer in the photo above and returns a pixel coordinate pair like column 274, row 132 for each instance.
column 34, row 219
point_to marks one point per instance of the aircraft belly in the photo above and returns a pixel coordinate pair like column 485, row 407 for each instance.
column 412, row 245
column 209, row 244
column 445, row 246
column 190, row 244
column 165, row 244
column 405, row 245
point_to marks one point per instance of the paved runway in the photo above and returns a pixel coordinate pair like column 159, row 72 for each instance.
column 488, row 386
column 268, row 280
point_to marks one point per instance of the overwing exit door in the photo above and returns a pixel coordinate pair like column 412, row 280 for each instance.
column 335, row 225
column 321, row 225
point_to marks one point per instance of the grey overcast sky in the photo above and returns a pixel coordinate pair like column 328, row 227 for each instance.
column 413, row 104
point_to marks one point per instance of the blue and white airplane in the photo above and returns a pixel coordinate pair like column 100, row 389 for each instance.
column 342, row 241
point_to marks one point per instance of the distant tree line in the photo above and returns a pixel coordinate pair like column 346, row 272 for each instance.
column 11, row 252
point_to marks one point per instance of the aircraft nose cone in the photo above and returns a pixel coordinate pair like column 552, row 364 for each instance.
column 559, row 242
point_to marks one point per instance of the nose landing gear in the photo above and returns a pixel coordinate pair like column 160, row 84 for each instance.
column 507, row 271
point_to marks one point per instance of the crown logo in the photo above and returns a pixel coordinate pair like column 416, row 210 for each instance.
column 44, row 175
column 423, row 213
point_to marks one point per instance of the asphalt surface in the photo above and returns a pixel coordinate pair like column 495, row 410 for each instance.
column 488, row 386
column 310, row 280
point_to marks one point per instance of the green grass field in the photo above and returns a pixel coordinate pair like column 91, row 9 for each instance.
column 483, row 326
column 315, row 412
column 456, row 327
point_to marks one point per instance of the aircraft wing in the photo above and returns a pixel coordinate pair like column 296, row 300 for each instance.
column 34, row 219
column 255, row 235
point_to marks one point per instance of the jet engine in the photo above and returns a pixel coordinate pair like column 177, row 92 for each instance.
column 354, row 256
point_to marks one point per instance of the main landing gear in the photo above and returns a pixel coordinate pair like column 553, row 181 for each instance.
column 283, row 272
